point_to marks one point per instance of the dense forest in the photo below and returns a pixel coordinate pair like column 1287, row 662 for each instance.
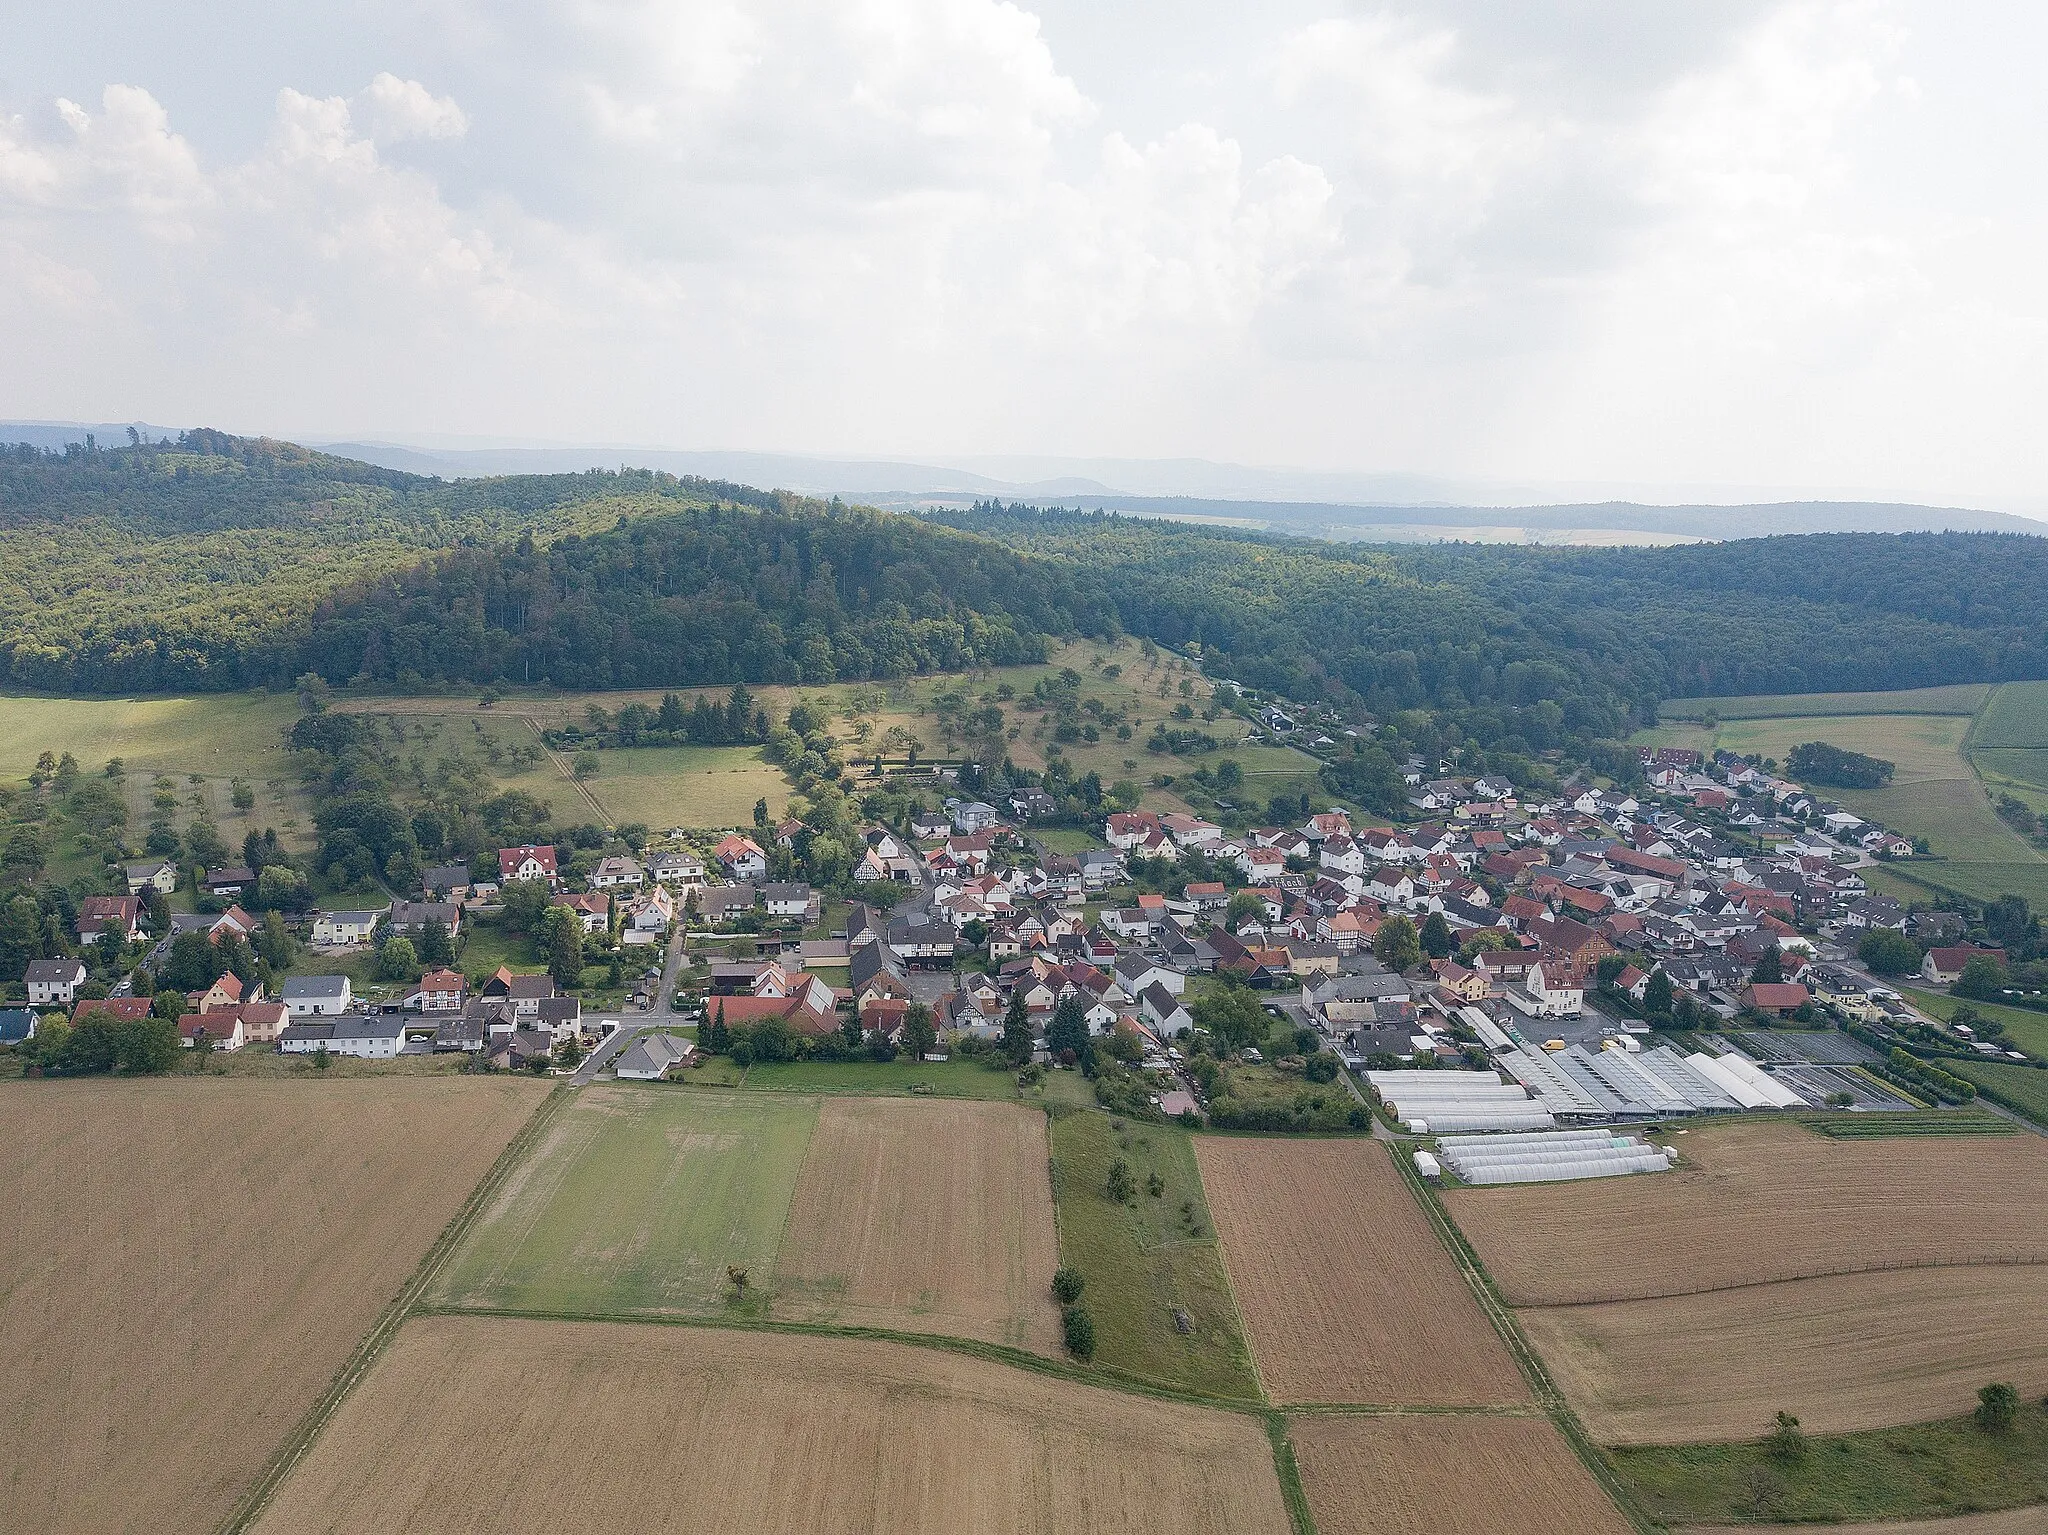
column 221, row 562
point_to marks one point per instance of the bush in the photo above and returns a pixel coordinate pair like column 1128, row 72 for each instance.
column 1078, row 1327
column 1067, row 1285
column 1787, row 1441
column 1888, row 952
column 1119, row 1186
column 1998, row 1407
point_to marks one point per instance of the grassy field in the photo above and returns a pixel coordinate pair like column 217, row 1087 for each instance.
column 2025, row 1028
column 1143, row 1260
column 1062, row 839
column 637, row 1200
column 1927, row 1470
column 2023, row 1089
column 2015, row 716
column 189, row 1262
column 665, row 787
column 1961, row 698
column 961, row 1078
column 698, row 1431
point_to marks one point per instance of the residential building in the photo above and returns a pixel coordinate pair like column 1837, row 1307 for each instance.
column 221, row 1030
column 740, row 857
column 439, row 991
column 52, row 982
column 316, row 996
column 368, row 1037
column 158, row 874
column 101, row 913
column 652, row 1056
column 616, row 873
column 339, row 929
column 529, row 861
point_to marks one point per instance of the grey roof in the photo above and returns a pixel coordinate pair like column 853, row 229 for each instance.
column 447, row 876
column 352, row 917
column 312, row 1028
column 1160, row 1000
column 53, row 970
column 314, row 987
column 366, row 1027
column 561, row 1009
column 652, row 1053
column 420, row 913
column 786, row 893
column 16, row 1024
column 1361, row 988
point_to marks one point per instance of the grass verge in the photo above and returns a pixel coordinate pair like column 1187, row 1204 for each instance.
column 1925, row 1470
column 1292, row 1493
column 2023, row 1089
column 1146, row 1259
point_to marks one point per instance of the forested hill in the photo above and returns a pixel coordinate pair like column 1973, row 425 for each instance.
column 220, row 562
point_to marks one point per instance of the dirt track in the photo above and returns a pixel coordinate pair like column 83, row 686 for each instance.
column 924, row 1216
column 1347, row 1293
column 666, row 1429
column 184, row 1265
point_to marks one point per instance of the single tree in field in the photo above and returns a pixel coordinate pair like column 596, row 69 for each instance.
column 1786, row 1440
column 737, row 1277
column 1119, row 1186
column 1998, row 1407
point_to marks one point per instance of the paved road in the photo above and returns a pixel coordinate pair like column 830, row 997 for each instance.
column 661, row 1015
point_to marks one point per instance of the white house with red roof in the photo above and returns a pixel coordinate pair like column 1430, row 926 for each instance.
column 528, row 862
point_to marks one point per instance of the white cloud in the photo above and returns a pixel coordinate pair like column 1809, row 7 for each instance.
column 1538, row 238
column 406, row 109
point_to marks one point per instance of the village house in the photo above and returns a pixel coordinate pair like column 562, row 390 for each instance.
column 593, row 911
column 338, row 929
column 439, row 991
column 682, row 870
column 616, row 873
column 1944, row 965
column 740, row 857
column 411, row 918
column 316, row 996
column 53, row 982
column 158, row 874
column 98, row 914
column 527, row 862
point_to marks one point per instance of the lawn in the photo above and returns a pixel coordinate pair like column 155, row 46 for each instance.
column 1065, row 839
column 1923, row 1471
column 1960, row 698
column 2027, row 1029
column 2023, row 1089
column 1143, row 1260
column 486, row 945
column 637, row 1200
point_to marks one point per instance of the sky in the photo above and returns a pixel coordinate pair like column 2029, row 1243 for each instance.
column 1789, row 245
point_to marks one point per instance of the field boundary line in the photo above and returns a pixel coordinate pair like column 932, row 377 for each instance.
column 1548, row 1396
column 1844, row 1271
column 1106, row 1377
column 301, row 1439
column 568, row 777
column 1288, row 1473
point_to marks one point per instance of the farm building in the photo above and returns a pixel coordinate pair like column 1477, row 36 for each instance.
column 1457, row 1100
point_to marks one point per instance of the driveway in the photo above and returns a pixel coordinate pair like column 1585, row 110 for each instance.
column 660, row 1016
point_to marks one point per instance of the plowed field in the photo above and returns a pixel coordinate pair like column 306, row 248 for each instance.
column 1853, row 1352
column 1431, row 1475
column 1761, row 1202
column 184, row 1265
column 926, row 1217
column 693, row 1429
column 1346, row 1290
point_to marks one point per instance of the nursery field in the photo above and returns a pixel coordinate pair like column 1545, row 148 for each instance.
column 703, row 1430
column 1346, row 1290
column 188, row 1262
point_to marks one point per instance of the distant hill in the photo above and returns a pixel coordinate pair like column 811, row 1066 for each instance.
column 1398, row 508
column 217, row 562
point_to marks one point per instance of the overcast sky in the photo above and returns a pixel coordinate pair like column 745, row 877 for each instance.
column 1661, row 243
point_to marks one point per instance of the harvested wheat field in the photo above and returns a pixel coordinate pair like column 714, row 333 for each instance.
column 1761, row 1202
column 185, row 1264
column 924, row 1216
column 1432, row 1474
column 698, row 1429
column 1346, row 1291
column 1850, row 1352
column 2011, row 1521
